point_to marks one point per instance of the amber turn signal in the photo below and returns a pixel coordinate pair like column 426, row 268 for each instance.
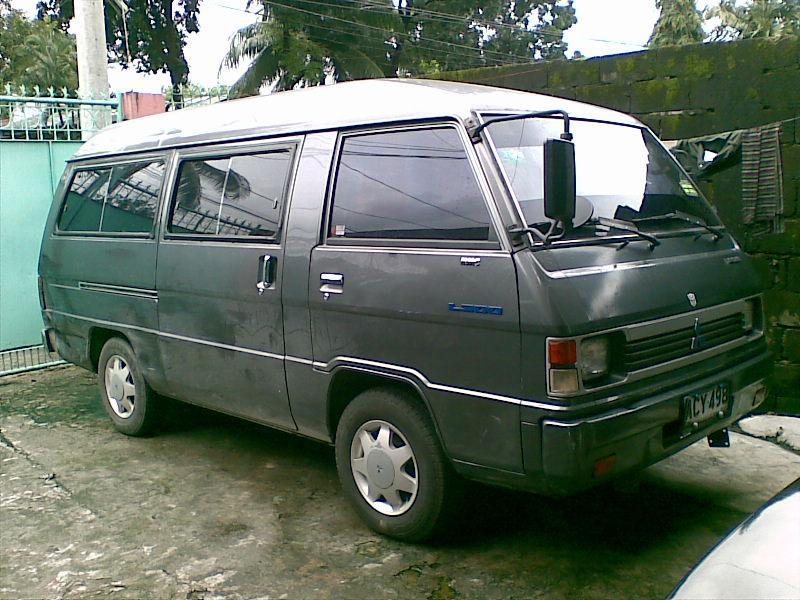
column 604, row 466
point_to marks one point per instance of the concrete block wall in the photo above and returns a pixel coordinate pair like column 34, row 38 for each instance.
column 680, row 92
column 691, row 91
column 777, row 257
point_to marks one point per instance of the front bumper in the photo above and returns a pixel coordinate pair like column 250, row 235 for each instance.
column 635, row 435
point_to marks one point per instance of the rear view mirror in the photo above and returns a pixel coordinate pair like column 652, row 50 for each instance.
column 559, row 181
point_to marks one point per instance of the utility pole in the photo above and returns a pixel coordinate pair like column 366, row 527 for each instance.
column 90, row 38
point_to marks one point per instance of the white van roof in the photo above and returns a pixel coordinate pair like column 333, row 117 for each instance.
column 325, row 107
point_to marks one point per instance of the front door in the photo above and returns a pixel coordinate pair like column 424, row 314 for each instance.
column 219, row 280
column 411, row 278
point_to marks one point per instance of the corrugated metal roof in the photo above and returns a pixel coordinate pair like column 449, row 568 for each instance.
column 325, row 107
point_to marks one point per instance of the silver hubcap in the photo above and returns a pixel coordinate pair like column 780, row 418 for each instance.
column 384, row 467
column 120, row 387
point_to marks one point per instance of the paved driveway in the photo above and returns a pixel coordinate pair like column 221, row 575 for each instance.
column 213, row 507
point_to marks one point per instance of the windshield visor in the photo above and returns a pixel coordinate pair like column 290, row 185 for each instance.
column 622, row 172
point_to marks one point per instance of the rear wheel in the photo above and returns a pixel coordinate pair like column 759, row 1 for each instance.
column 391, row 465
column 126, row 397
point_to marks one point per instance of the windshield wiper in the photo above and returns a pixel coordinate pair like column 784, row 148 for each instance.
column 682, row 216
column 626, row 226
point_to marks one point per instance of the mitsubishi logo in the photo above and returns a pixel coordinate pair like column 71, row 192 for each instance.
column 692, row 299
column 698, row 341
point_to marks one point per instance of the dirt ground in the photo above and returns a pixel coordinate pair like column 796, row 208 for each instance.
column 213, row 507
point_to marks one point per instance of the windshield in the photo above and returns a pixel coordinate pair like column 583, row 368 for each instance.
column 622, row 172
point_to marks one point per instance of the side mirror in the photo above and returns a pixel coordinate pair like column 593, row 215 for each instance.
column 559, row 181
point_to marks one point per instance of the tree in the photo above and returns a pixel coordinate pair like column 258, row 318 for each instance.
column 678, row 23
column 149, row 36
column 35, row 52
column 759, row 18
column 52, row 57
column 306, row 42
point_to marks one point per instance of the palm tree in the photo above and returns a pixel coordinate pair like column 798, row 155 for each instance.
column 307, row 42
column 51, row 56
column 758, row 18
column 289, row 47
column 679, row 23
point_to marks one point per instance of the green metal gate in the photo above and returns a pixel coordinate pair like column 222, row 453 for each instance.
column 37, row 136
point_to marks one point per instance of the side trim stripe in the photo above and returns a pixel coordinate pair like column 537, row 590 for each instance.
column 436, row 386
column 118, row 289
column 172, row 335
column 329, row 366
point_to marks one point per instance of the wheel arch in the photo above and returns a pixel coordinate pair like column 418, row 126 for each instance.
column 347, row 382
column 98, row 336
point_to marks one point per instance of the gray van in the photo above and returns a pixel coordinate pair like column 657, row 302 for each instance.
column 439, row 279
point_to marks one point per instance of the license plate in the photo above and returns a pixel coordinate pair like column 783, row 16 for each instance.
column 706, row 405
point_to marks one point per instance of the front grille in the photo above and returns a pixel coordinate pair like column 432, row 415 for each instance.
column 664, row 347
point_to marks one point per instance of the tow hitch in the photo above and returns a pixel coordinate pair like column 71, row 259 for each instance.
column 719, row 439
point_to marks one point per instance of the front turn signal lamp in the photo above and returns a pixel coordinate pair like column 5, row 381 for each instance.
column 562, row 357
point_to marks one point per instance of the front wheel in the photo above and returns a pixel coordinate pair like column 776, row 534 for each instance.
column 391, row 465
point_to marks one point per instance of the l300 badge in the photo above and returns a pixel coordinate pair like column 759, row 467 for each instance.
column 481, row 309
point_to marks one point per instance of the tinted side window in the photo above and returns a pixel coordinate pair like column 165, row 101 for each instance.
column 414, row 184
column 83, row 205
column 240, row 195
column 122, row 198
column 132, row 197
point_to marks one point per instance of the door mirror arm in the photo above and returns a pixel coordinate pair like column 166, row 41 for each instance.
column 559, row 174
column 475, row 130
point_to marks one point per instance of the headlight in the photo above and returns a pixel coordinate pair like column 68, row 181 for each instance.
column 593, row 357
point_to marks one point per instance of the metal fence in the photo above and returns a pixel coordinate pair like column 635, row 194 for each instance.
column 39, row 131
column 27, row 359
column 188, row 96
column 33, row 114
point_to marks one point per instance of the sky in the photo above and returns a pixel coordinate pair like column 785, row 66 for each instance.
column 603, row 27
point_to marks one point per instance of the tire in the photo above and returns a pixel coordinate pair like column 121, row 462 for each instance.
column 126, row 397
column 409, row 502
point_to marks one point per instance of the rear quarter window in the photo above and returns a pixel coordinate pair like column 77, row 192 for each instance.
column 83, row 204
column 113, row 199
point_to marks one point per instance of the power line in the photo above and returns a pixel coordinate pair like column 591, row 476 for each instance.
column 444, row 16
column 488, row 23
column 317, row 14
column 483, row 53
column 442, row 52
column 476, row 60
column 448, row 17
column 471, row 55
column 454, row 18
column 438, row 16
column 474, row 56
